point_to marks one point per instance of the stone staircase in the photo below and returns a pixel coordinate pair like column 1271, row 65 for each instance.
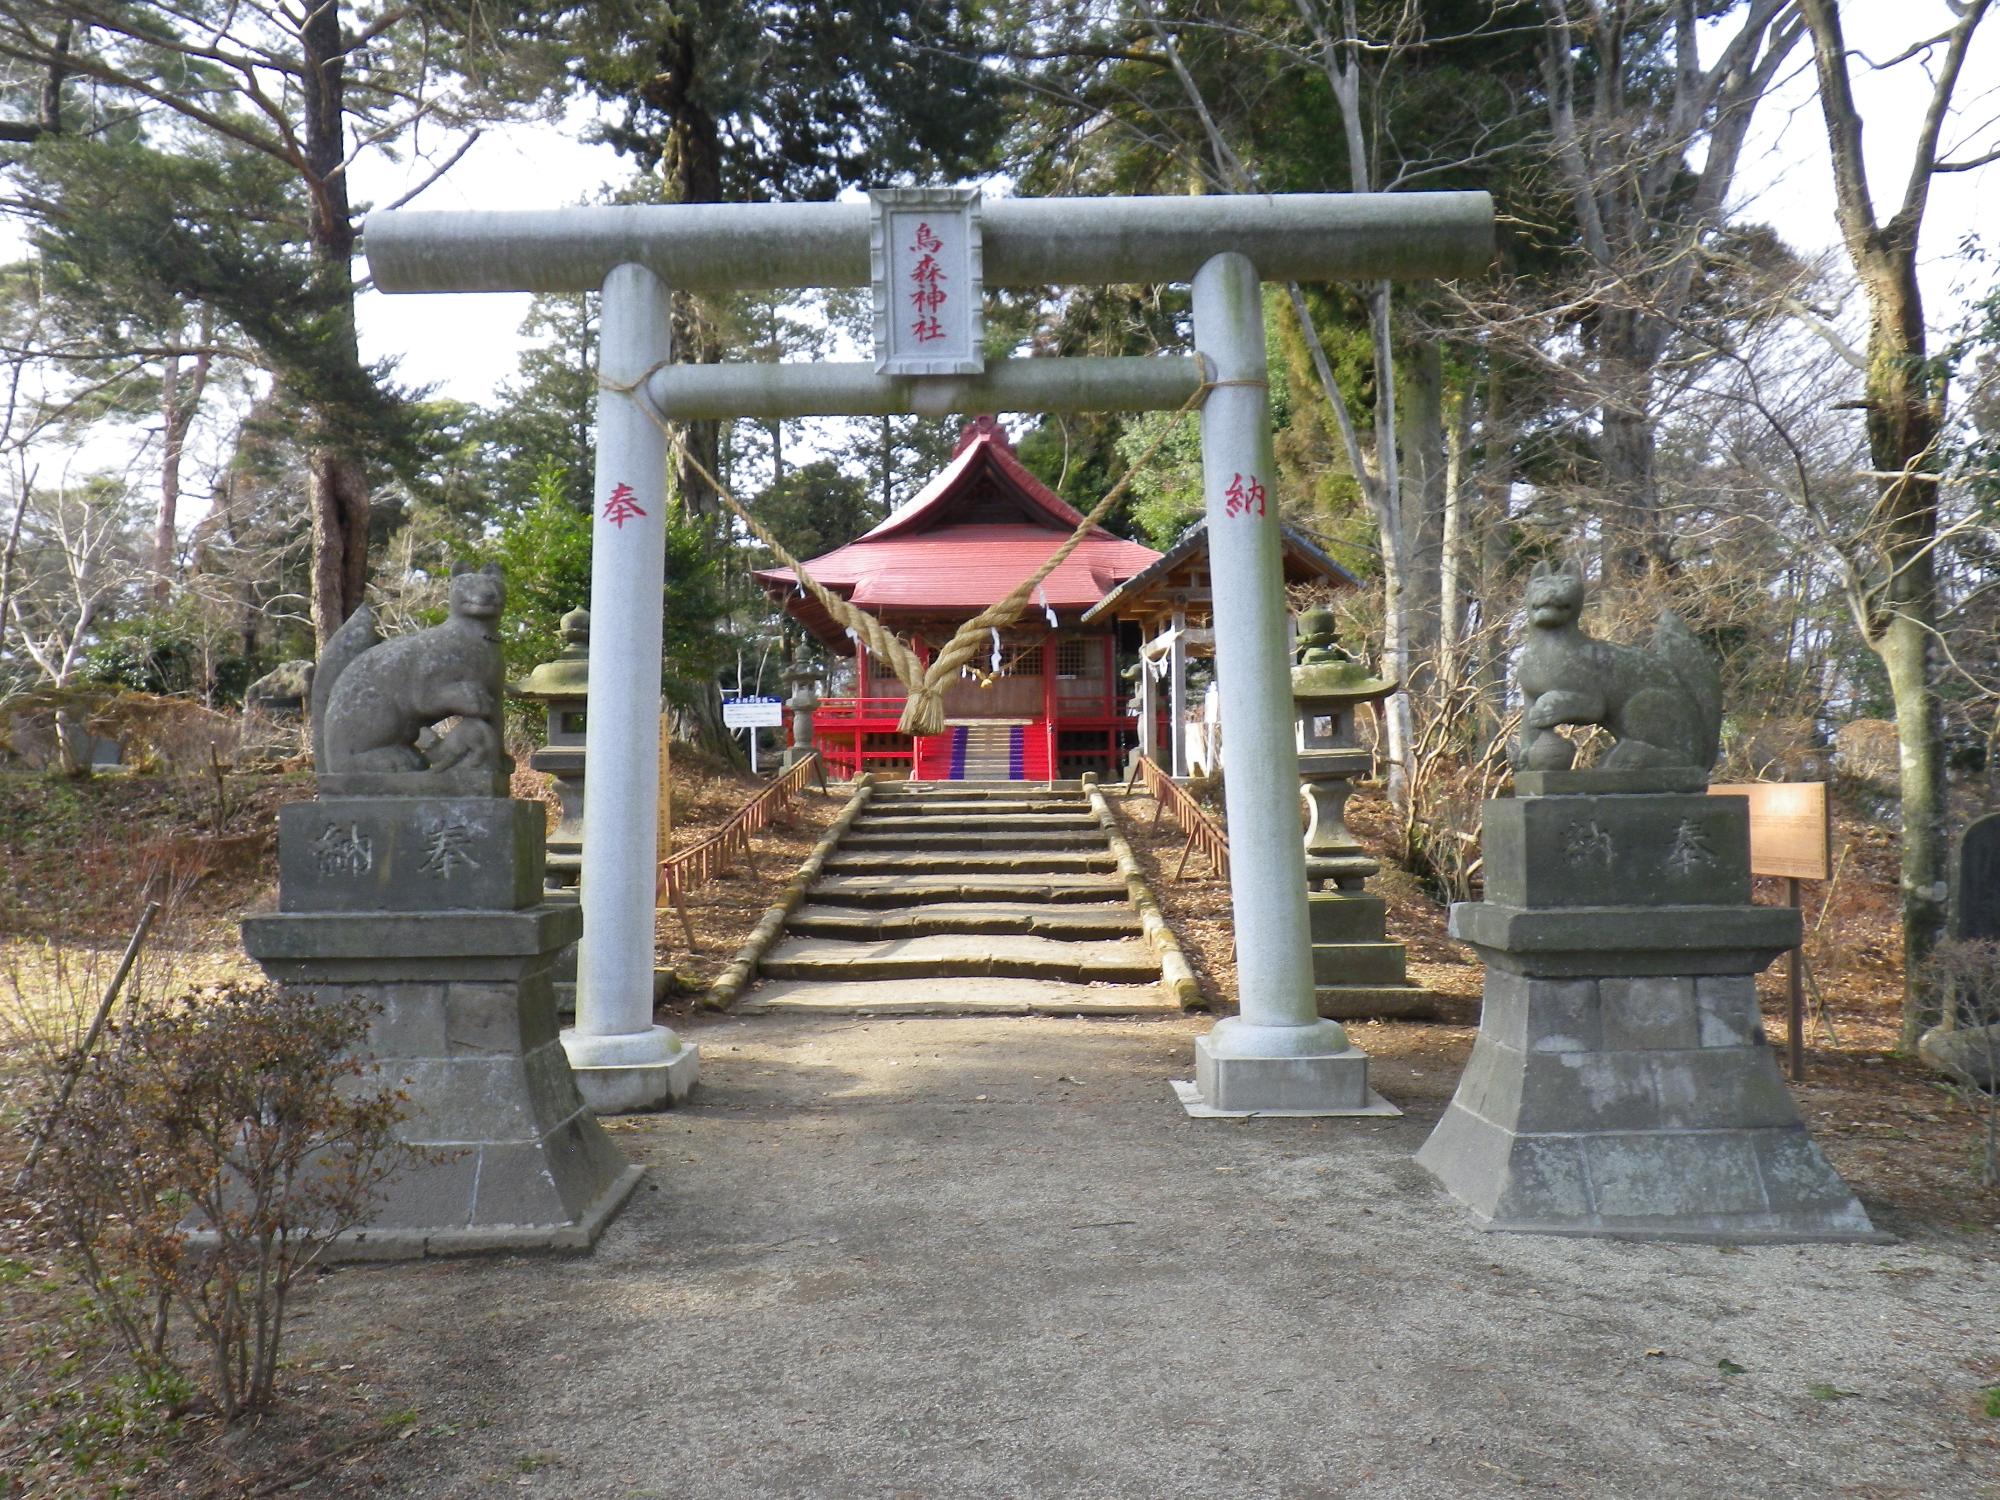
column 966, row 898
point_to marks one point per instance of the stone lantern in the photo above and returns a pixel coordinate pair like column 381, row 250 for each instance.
column 1357, row 972
column 562, row 685
column 804, row 699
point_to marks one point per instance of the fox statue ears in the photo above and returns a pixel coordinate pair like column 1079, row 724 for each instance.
column 491, row 569
column 1569, row 565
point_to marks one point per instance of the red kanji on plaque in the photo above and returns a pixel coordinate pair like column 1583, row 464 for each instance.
column 927, row 282
column 622, row 506
column 1244, row 497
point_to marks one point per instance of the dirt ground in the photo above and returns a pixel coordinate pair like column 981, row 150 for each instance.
column 930, row 1258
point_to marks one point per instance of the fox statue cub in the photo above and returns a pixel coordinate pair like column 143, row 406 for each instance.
column 1663, row 704
column 375, row 702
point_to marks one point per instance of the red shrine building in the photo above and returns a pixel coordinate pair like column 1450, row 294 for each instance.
column 1046, row 701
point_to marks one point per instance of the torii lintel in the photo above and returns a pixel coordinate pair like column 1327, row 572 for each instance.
column 733, row 247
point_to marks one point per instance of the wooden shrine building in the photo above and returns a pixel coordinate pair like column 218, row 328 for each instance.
column 1047, row 701
column 1171, row 606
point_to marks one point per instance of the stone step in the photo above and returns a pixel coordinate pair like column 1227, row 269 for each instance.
column 971, row 822
column 879, row 891
column 984, row 807
column 913, row 862
column 961, row 955
column 1057, row 815
column 957, row 997
column 996, row 807
column 1042, row 920
column 980, row 791
column 1022, row 836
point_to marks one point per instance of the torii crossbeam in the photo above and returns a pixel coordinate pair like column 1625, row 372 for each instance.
column 1278, row 1053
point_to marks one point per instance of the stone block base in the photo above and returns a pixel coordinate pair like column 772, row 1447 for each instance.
column 465, row 1024
column 1357, row 973
column 409, row 854
column 570, row 1238
column 1341, row 918
column 1374, row 1002
column 1358, row 963
column 634, row 1088
column 1643, row 1107
column 1334, row 1083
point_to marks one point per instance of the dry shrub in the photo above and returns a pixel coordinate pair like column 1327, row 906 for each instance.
column 1867, row 752
column 1964, row 975
column 173, row 736
column 203, row 1162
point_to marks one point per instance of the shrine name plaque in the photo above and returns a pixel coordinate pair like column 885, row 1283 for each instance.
column 1790, row 834
column 927, row 266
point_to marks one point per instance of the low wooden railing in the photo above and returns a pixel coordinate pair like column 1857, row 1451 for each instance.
column 710, row 857
column 1168, row 797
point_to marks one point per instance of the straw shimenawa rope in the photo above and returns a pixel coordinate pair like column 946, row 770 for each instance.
column 923, row 710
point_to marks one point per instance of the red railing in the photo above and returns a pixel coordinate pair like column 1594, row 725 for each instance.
column 710, row 857
column 1168, row 797
column 858, row 708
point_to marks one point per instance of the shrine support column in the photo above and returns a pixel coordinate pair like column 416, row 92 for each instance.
column 1177, row 762
column 1149, row 710
column 624, row 1062
column 1277, row 1053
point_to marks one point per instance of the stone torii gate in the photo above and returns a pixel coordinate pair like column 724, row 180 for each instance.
column 1278, row 1053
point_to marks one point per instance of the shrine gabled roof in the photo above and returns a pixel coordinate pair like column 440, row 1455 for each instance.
column 1305, row 561
column 983, row 453
column 966, row 541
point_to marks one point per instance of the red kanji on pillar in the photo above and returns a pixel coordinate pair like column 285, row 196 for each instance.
column 1244, row 497
column 622, row 506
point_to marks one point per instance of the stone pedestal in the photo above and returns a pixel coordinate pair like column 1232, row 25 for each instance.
column 1621, row 1084
column 562, row 687
column 430, row 909
column 801, row 706
column 1357, row 971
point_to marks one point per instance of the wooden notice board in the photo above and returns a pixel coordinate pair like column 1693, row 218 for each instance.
column 1790, row 834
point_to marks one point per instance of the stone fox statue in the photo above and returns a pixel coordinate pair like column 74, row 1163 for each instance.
column 1663, row 704
column 375, row 701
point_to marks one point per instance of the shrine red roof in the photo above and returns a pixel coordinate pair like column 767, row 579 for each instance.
column 975, row 532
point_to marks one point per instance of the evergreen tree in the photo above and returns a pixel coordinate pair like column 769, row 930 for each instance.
column 263, row 101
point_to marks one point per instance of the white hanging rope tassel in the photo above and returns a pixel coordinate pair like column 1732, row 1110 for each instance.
column 1042, row 598
column 996, row 648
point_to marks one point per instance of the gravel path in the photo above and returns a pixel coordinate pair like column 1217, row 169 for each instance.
column 962, row 1257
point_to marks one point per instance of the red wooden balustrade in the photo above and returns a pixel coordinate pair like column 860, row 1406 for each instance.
column 710, row 857
column 1188, row 816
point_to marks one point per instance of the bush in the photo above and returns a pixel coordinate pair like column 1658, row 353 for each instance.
column 1964, row 976
column 204, row 1162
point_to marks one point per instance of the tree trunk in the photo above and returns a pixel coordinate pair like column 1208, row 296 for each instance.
column 1451, row 551
column 178, row 407
column 170, row 477
column 337, row 485
column 1905, row 649
column 1905, row 402
column 1633, row 540
column 1905, row 415
column 1420, row 405
column 1495, row 543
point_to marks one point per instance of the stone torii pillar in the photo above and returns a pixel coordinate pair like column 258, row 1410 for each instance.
column 621, row 1059
column 1225, row 245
